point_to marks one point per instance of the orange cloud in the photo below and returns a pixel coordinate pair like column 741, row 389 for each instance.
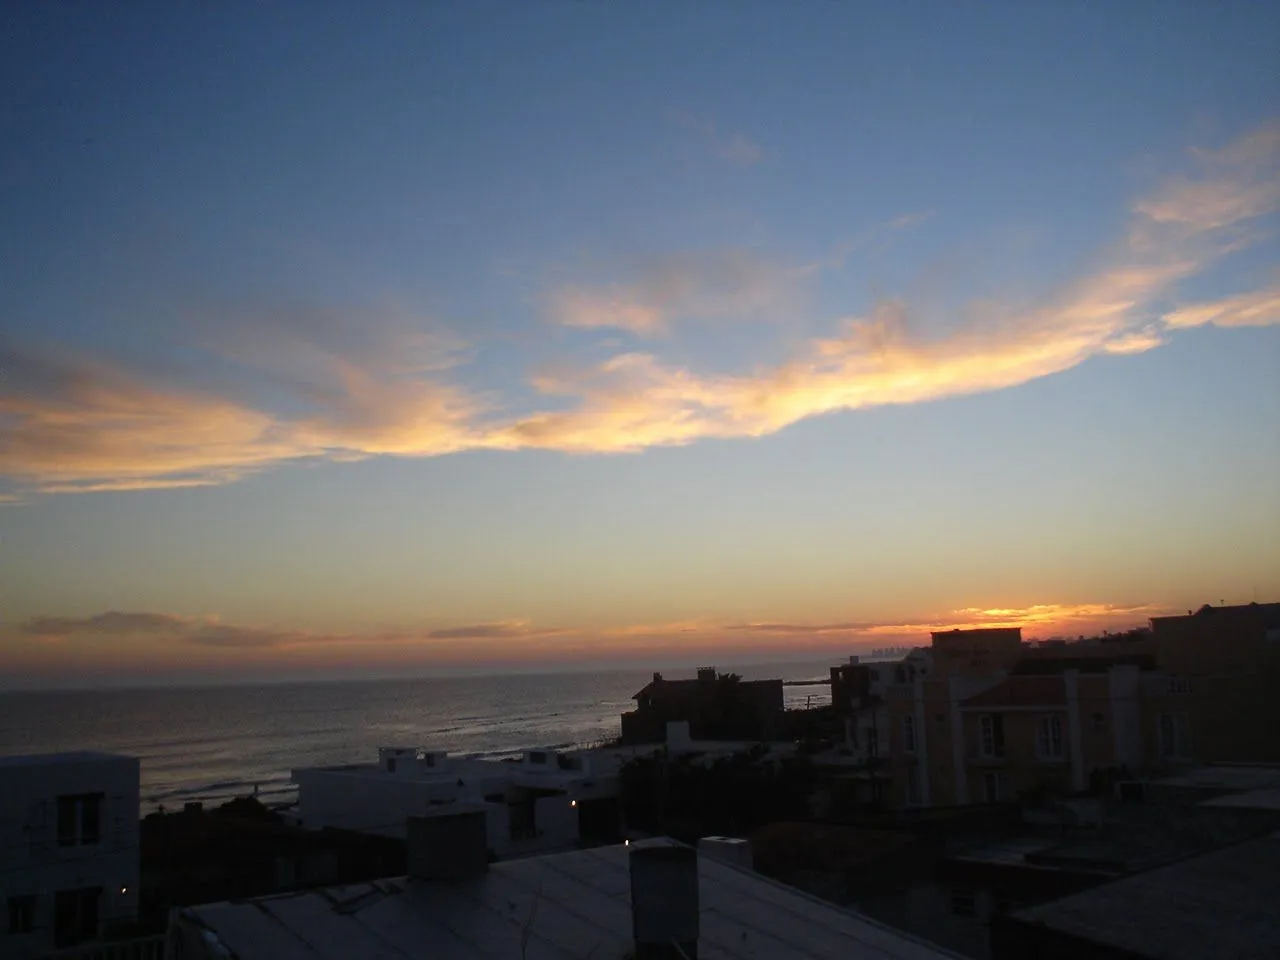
column 1258, row 309
column 634, row 400
column 81, row 426
column 507, row 637
column 69, row 425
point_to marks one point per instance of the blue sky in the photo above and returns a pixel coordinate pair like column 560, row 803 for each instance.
column 516, row 333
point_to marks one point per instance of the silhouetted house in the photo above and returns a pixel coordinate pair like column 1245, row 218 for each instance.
column 716, row 707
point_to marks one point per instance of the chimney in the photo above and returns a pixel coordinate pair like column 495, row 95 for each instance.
column 707, row 674
column 732, row 850
column 678, row 736
column 853, row 660
column 452, row 844
column 664, row 900
column 657, row 677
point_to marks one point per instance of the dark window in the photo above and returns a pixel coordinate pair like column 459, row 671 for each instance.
column 22, row 913
column 91, row 818
column 391, row 764
column 79, row 819
column 963, row 904
column 537, row 756
column 68, row 808
column 991, row 743
column 75, row 915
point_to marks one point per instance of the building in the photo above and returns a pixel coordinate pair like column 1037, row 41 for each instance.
column 545, row 800
column 1216, row 702
column 995, row 720
column 68, row 850
column 716, row 707
column 1220, row 904
column 606, row 903
column 979, row 651
column 952, row 875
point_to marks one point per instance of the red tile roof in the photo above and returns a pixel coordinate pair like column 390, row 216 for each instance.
column 1021, row 692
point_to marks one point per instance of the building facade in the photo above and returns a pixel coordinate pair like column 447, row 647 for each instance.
column 68, row 850
column 995, row 720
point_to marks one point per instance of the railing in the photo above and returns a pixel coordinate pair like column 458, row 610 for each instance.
column 138, row 948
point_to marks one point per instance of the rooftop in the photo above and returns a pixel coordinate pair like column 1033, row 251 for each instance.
column 71, row 756
column 1020, row 691
column 570, row 905
column 1220, row 904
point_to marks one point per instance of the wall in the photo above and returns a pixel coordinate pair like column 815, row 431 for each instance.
column 373, row 802
column 370, row 802
column 33, row 862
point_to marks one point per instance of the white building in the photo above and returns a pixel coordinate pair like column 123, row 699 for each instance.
column 68, row 849
column 547, row 800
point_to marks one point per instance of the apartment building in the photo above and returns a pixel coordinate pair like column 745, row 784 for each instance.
column 996, row 719
column 68, row 850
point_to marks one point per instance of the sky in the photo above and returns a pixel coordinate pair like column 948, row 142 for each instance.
column 342, row 339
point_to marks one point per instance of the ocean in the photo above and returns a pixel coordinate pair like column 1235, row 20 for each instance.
column 214, row 743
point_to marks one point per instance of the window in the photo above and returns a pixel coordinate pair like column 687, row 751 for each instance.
column 1049, row 738
column 22, row 913
column 1099, row 722
column 908, row 734
column 963, row 903
column 391, row 764
column 940, row 718
column 79, row 819
column 991, row 744
column 991, row 784
column 537, row 756
column 1179, row 686
column 75, row 915
column 1175, row 739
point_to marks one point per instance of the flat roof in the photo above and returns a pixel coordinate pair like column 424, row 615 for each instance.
column 1234, row 777
column 1265, row 799
column 71, row 756
column 1220, row 904
column 570, row 905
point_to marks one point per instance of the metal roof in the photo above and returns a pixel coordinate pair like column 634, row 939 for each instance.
column 568, row 906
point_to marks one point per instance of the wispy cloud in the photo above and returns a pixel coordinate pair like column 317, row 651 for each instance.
column 909, row 220
column 1260, row 308
column 147, row 639
column 634, row 400
column 211, row 631
column 77, row 425
column 690, row 285
column 331, row 388
column 732, row 146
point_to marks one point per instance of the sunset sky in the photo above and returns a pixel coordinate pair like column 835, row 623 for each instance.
column 344, row 339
